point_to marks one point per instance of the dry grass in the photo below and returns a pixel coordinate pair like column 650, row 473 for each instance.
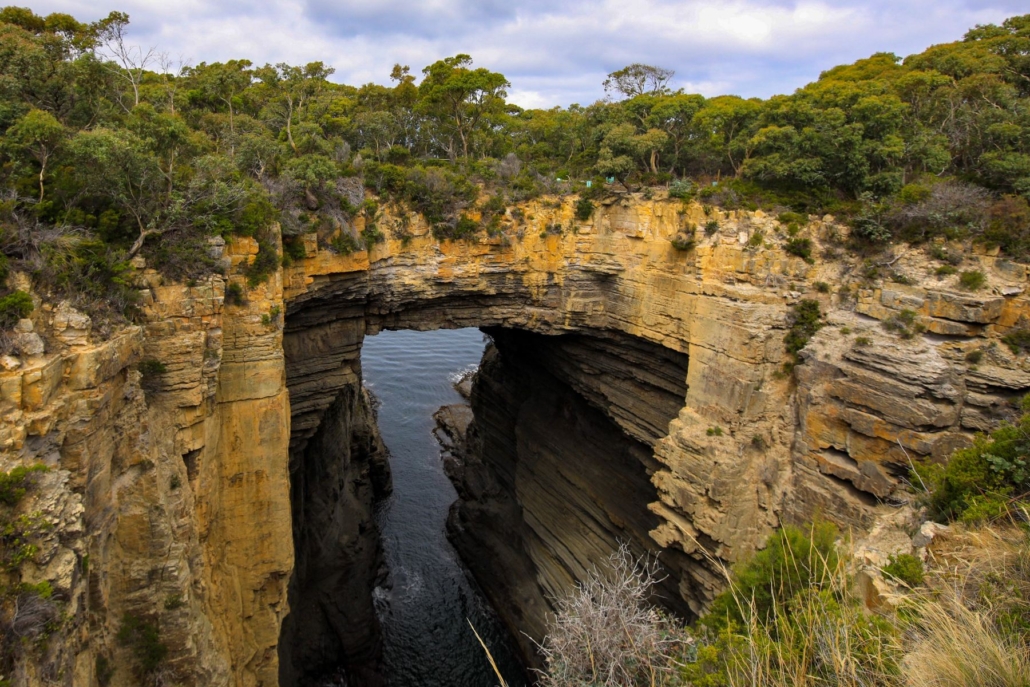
column 972, row 625
column 958, row 646
column 821, row 636
column 968, row 627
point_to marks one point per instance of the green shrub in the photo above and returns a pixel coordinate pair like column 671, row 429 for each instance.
column 264, row 265
column 821, row 287
column 862, row 341
column 371, row 235
column 910, row 194
column 757, row 239
column 13, row 307
column 682, row 189
column 174, row 602
column 18, row 534
column 465, row 228
column 344, row 243
column 940, row 252
column 684, row 239
column 271, row 318
column 5, row 269
column 234, row 294
column 974, row 357
column 973, row 280
column 293, row 250
column 180, row 255
column 985, row 480
column 494, row 205
column 255, row 216
column 904, row 324
column 584, row 209
column 805, row 321
column 104, row 670
column 151, row 367
column 906, row 568
column 794, row 560
column 711, row 227
column 682, row 242
column 144, row 640
column 787, row 218
column 801, row 248
column 15, row 484
column 945, row 270
column 714, row 431
column 1018, row 340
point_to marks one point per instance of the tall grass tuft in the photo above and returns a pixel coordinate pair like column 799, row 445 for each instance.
column 958, row 646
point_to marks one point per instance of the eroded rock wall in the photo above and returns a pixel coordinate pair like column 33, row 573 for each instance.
column 168, row 490
column 749, row 446
column 549, row 482
column 169, row 493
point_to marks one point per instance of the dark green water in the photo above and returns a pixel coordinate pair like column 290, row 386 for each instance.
column 425, row 604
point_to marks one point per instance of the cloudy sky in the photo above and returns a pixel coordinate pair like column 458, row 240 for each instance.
column 553, row 52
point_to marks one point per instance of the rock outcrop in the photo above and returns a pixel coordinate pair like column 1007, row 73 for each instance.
column 170, row 488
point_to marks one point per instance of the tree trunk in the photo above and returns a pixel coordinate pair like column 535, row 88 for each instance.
column 289, row 131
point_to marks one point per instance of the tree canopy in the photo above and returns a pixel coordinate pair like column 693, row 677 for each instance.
column 105, row 141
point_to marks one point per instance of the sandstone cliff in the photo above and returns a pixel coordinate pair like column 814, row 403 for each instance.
column 170, row 493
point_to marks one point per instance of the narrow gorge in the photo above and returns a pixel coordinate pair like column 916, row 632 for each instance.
column 634, row 393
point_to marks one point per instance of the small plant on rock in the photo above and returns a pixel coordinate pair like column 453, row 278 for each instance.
column 13, row 307
column 234, row 294
column 801, row 248
column 904, row 324
column 584, row 209
column 1018, row 340
column 344, row 243
column 143, row 637
column 906, row 568
column 974, row 280
column 805, row 321
column 151, row 368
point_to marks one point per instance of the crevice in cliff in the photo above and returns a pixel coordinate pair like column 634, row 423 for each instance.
column 336, row 481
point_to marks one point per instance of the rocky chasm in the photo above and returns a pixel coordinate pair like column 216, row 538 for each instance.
column 635, row 392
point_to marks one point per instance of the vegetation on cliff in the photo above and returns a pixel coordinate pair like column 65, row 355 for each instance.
column 28, row 613
column 795, row 613
column 985, row 482
column 109, row 150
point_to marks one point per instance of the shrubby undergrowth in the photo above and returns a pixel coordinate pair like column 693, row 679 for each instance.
column 791, row 614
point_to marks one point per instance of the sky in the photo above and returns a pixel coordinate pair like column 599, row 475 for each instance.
column 553, row 52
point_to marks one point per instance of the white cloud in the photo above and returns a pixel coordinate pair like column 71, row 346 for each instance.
column 556, row 54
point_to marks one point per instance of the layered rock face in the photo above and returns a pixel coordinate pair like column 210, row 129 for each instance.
column 168, row 490
column 170, row 493
column 549, row 480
